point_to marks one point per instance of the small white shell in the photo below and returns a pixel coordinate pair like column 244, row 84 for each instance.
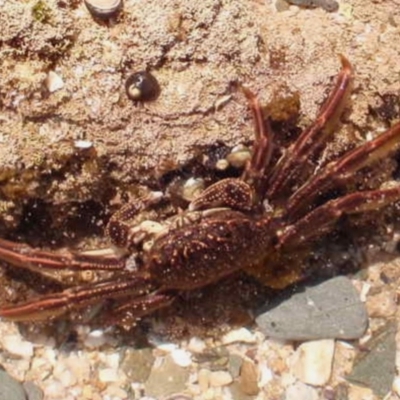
column 104, row 9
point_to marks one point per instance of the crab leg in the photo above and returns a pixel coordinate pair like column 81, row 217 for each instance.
column 53, row 305
column 342, row 170
column 313, row 138
column 24, row 256
column 262, row 146
column 319, row 221
column 140, row 307
column 120, row 224
column 244, row 193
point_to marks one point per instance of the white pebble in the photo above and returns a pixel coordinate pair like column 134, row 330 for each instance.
column 312, row 362
column 181, row 357
column 107, row 375
column 220, row 378
column 204, row 379
column 95, row 339
column 396, row 385
column 300, row 391
column 196, row 345
column 54, row 82
column 239, row 335
column 16, row 346
column 83, row 144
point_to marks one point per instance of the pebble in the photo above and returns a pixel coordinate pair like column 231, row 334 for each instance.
column 331, row 309
column 248, row 380
column 301, row 391
column 238, row 335
column 14, row 345
column 181, row 357
column 137, row 364
column 375, row 366
column 234, row 364
column 312, row 362
column 10, row 389
column 220, row 378
column 382, row 305
column 203, row 377
column 104, row 9
column 107, row 375
column 327, row 5
column 54, row 82
column 33, row 392
column 166, row 378
column 196, row 345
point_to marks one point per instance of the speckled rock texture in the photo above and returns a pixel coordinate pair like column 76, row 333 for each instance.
column 73, row 148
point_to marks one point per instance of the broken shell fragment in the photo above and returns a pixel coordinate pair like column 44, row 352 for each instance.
column 104, row 9
column 142, row 86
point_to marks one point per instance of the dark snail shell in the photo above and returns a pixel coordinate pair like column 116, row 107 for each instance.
column 142, row 86
column 104, row 9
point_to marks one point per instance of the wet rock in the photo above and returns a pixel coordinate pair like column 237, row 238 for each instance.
column 327, row 5
column 375, row 365
column 220, row 378
column 238, row 335
column 382, row 305
column 237, row 393
column 10, row 389
column 137, row 364
column 331, row 309
column 234, row 364
column 313, row 362
column 300, row 391
column 166, row 378
column 32, row 391
column 248, row 380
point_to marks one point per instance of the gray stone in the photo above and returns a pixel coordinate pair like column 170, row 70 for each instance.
column 330, row 310
column 10, row 389
column 375, row 367
column 33, row 392
column 166, row 379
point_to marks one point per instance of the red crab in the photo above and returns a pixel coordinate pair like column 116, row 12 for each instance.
column 235, row 224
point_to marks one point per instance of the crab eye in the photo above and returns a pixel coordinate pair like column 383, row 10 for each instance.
column 142, row 86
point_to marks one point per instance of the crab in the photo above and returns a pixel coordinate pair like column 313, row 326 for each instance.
column 236, row 224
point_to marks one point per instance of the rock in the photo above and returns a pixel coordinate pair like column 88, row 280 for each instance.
column 220, row 378
column 382, row 305
column 248, row 380
column 312, row 362
column 181, row 357
column 137, row 364
column 16, row 346
column 375, row 366
column 300, row 391
column 10, row 389
column 166, row 378
column 234, row 364
column 331, row 309
column 32, row 391
column 237, row 394
column 238, row 335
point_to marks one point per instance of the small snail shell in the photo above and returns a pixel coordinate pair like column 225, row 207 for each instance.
column 104, row 9
column 142, row 86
